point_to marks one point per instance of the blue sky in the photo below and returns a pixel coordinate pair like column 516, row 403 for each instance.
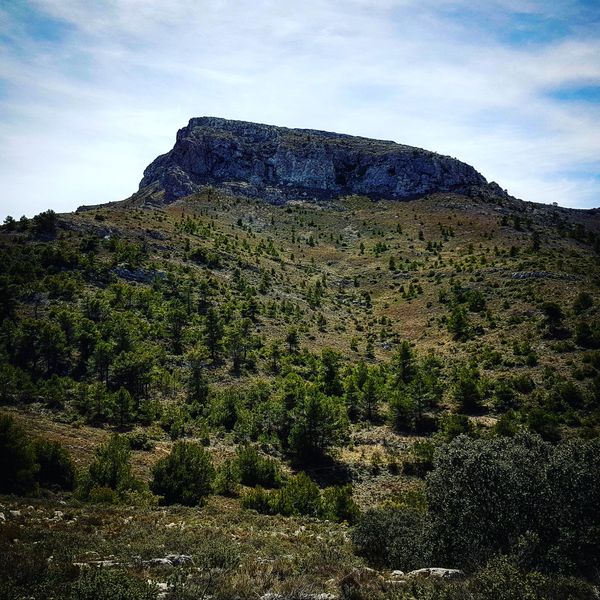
column 91, row 92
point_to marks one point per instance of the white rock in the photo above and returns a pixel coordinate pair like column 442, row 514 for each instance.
column 179, row 559
column 437, row 572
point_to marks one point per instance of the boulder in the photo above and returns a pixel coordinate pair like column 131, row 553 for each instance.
column 437, row 572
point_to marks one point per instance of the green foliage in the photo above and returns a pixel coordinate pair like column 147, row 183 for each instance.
column 453, row 425
column 420, row 459
column 395, row 538
column 56, row 467
column 18, row 466
column 255, row 469
column 553, row 319
column 582, row 302
column 466, row 390
column 110, row 469
column 403, row 364
column 299, row 496
column 587, row 335
column 338, row 504
column 416, row 389
column 106, row 584
column 329, row 375
column 458, row 323
column 514, row 496
column 140, row 440
column 185, row 476
column 213, row 333
column 227, row 479
column 258, row 499
column 499, row 497
column 501, row 579
column 319, row 422
column 45, row 223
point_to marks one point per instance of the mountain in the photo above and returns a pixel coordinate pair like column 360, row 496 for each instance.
column 223, row 387
column 279, row 164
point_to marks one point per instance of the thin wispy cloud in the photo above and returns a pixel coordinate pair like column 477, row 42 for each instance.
column 91, row 92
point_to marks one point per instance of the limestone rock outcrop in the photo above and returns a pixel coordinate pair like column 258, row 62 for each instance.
column 279, row 164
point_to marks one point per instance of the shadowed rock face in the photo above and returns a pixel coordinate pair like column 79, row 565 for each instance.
column 280, row 164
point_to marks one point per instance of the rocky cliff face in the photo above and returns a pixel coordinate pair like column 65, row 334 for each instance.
column 280, row 164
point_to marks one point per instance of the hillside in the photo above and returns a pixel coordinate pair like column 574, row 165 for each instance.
column 291, row 321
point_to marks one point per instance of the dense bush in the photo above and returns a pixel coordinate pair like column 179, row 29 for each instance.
column 510, row 496
column 110, row 470
column 483, row 495
column 466, row 391
column 227, row 479
column 105, row 584
column 255, row 469
column 319, row 422
column 420, row 458
column 397, row 538
column 26, row 463
column 185, row 476
column 18, row 466
column 258, row 499
column 338, row 504
column 501, row 579
column 300, row 495
column 56, row 467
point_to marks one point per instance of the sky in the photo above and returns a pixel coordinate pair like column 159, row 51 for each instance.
column 92, row 91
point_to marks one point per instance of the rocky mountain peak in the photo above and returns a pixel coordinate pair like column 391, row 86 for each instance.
column 280, row 164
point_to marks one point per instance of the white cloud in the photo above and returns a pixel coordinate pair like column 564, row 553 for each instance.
column 81, row 118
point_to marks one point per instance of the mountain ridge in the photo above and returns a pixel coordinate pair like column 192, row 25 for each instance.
column 279, row 164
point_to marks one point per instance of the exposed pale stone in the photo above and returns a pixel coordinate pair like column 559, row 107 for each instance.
column 279, row 164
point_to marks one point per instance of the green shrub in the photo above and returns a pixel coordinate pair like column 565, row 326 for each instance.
column 453, row 425
column 185, row 476
column 504, row 397
column 466, row 390
column 45, row 223
column 514, row 496
column 484, row 494
column 258, row 499
column 105, row 584
column 543, row 423
column 420, row 459
column 227, row 479
column 501, row 579
column 18, row 467
column 458, row 323
column 507, row 425
column 571, row 535
column 299, row 496
column 111, row 468
column 583, row 301
column 139, row 440
column 319, row 422
column 102, row 495
column 338, row 504
column 396, row 538
column 255, row 469
column 56, row 466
